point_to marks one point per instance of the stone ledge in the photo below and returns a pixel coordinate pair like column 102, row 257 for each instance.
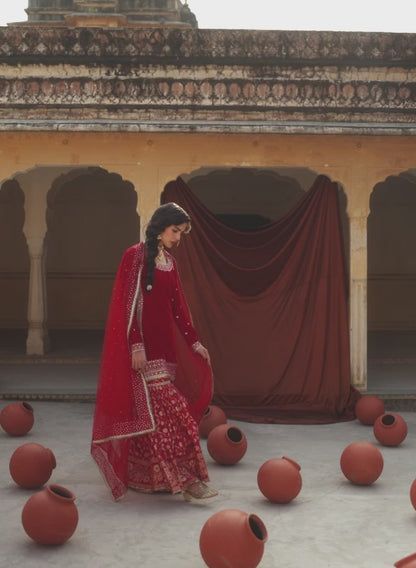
column 399, row 402
column 207, row 126
column 393, row 402
column 48, row 360
column 49, row 397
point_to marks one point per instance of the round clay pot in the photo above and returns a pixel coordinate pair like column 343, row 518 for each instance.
column 50, row 516
column 407, row 562
column 390, row 429
column 232, row 538
column 362, row 463
column 226, row 444
column 31, row 465
column 279, row 479
column 369, row 408
column 17, row 418
column 214, row 416
column 413, row 494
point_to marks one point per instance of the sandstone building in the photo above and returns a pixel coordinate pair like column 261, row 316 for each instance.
column 103, row 103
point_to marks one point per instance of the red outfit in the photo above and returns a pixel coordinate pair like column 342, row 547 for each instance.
column 145, row 432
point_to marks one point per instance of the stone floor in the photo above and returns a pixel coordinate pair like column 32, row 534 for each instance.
column 331, row 523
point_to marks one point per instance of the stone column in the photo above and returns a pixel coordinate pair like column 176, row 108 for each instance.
column 147, row 203
column 37, row 342
column 35, row 184
column 148, row 188
column 358, row 301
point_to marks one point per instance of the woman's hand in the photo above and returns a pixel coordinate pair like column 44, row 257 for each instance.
column 203, row 352
column 138, row 360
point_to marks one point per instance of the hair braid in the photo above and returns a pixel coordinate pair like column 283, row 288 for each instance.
column 151, row 252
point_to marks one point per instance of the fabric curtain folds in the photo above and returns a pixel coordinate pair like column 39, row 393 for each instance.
column 271, row 307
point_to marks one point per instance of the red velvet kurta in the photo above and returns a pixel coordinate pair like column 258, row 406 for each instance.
column 125, row 407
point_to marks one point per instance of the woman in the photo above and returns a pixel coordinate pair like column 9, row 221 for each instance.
column 155, row 377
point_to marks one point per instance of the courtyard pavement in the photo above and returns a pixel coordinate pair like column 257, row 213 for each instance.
column 331, row 523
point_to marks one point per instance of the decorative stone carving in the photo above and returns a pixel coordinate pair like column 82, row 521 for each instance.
column 147, row 75
column 268, row 48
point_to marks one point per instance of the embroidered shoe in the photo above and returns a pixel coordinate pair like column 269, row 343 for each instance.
column 199, row 490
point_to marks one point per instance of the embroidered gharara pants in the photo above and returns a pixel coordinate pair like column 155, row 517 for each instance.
column 169, row 458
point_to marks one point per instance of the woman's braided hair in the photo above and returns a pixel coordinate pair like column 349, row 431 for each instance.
column 164, row 216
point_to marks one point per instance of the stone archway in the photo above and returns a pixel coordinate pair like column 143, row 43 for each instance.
column 248, row 198
column 91, row 219
column 391, row 233
column 14, row 269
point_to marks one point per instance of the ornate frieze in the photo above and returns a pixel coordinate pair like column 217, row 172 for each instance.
column 162, row 75
column 231, row 93
column 257, row 47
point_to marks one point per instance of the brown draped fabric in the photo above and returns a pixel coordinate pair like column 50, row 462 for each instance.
column 271, row 307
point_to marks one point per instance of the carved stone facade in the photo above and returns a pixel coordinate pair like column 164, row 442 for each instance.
column 152, row 103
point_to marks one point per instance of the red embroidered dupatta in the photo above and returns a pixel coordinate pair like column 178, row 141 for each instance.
column 122, row 405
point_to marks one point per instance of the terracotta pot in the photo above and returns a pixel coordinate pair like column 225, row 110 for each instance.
column 390, row 429
column 226, row 444
column 362, row 463
column 407, row 562
column 232, row 538
column 369, row 408
column 214, row 416
column 413, row 494
column 31, row 465
column 50, row 516
column 279, row 480
column 17, row 418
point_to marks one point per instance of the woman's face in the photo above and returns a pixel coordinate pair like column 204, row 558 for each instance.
column 172, row 235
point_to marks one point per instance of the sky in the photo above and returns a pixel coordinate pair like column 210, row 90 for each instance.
column 354, row 15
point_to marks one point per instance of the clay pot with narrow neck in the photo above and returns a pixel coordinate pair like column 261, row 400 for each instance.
column 390, row 429
column 233, row 538
column 227, row 444
column 407, row 562
column 213, row 416
column 17, row 418
column 50, row 516
column 362, row 463
column 31, row 465
column 279, row 479
column 369, row 408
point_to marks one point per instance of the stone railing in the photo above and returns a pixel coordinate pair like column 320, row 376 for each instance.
column 248, row 46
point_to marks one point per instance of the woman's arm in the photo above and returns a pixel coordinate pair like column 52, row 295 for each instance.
column 138, row 352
